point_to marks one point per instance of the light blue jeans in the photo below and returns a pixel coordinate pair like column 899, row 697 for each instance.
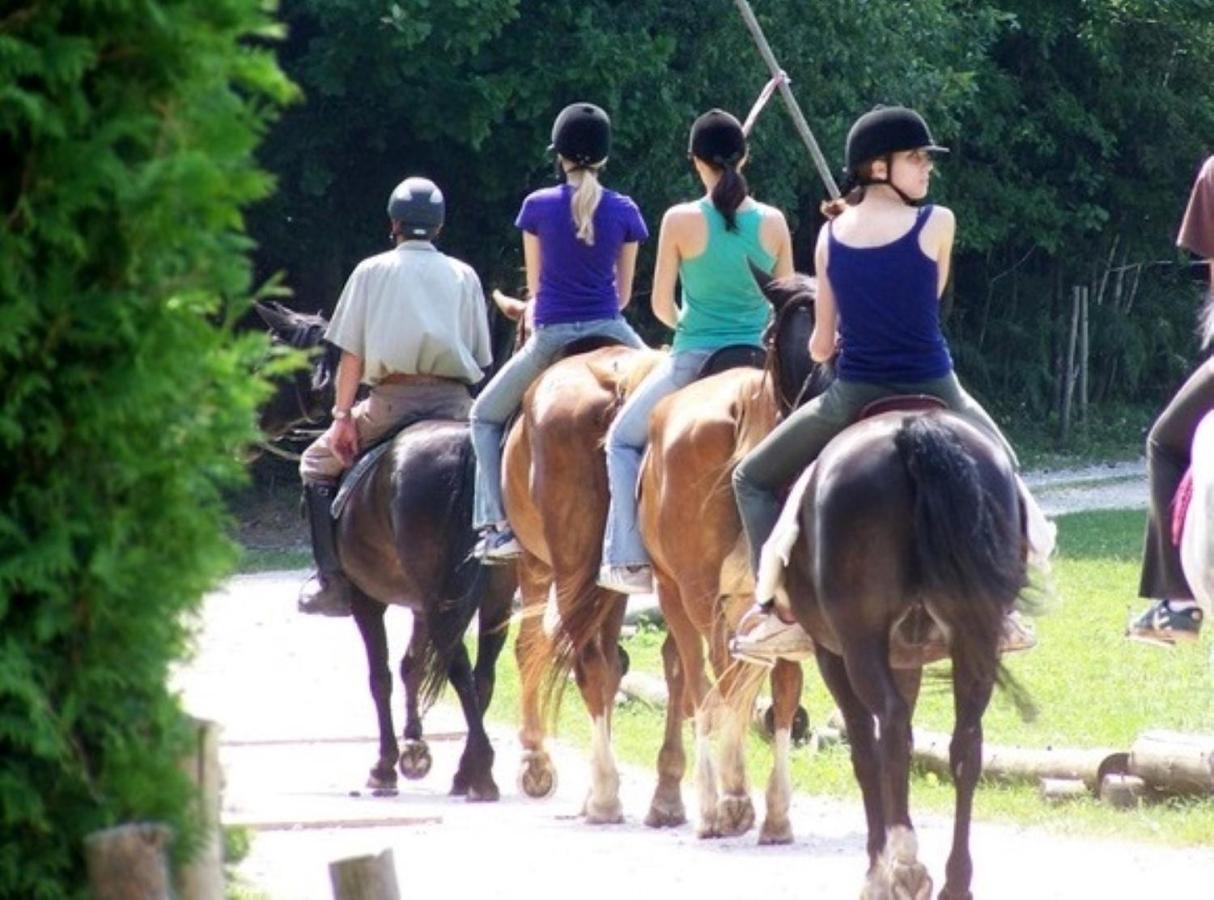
column 502, row 396
column 626, row 440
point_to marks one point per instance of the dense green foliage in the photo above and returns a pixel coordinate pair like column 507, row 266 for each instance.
column 1076, row 126
column 126, row 137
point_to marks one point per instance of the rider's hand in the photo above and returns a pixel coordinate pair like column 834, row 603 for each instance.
column 343, row 440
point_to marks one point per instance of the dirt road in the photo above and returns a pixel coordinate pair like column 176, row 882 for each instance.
column 290, row 694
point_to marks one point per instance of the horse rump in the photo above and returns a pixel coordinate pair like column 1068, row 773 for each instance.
column 966, row 536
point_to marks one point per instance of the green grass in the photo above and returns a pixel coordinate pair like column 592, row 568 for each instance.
column 1092, row 687
column 271, row 559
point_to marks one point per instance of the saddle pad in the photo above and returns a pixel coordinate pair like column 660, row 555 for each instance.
column 1180, row 506
column 901, row 403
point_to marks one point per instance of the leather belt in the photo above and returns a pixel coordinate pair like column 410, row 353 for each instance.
column 408, row 378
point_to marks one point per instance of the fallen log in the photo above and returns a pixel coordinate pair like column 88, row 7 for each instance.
column 1174, row 762
column 1023, row 764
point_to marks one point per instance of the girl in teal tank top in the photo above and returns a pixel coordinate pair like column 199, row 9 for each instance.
column 709, row 245
column 722, row 305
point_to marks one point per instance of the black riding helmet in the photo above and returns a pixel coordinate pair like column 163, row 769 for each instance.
column 582, row 134
column 417, row 205
column 881, row 132
column 717, row 138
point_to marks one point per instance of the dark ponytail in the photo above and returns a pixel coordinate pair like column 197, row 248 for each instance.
column 728, row 193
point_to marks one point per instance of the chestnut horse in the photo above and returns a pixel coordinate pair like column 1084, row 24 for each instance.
column 902, row 510
column 555, row 491
column 405, row 538
column 691, row 528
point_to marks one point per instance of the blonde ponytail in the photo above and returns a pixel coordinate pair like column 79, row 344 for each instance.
column 585, row 201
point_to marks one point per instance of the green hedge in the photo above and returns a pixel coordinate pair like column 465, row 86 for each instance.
column 127, row 132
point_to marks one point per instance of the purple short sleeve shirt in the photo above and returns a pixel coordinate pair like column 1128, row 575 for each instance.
column 577, row 281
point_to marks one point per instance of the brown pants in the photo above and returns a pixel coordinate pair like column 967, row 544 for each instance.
column 1168, row 448
column 386, row 406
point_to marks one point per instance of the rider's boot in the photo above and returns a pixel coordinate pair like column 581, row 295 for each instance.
column 326, row 593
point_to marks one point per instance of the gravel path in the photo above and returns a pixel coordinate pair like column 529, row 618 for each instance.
column 290, row 694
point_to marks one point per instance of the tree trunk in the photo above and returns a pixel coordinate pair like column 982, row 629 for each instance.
column 364, row 878
column 128, row 862
column 1068, row 371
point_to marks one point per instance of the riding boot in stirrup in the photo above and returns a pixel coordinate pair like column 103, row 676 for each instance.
column 326, row 593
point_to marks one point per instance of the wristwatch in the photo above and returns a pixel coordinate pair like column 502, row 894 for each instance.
column 340, row 413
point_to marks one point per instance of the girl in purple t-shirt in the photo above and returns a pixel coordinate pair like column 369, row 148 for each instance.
column 580, row 247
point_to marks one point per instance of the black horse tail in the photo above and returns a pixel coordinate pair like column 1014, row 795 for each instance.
column 447, row 619
column 967, row 555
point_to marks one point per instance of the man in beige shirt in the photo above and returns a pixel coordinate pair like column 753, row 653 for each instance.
column 411, row 323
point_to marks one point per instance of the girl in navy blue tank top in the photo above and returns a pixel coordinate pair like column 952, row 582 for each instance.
column 882, row 263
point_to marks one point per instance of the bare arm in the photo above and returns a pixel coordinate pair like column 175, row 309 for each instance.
column 343, row 436
column 778, row 236
column 531, row 258
column 665, row 272
column 944, row 252
column 823, row 339
column 625, row 269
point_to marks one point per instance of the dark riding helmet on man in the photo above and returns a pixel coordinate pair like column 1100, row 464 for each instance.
column 582, row 134
column 880, row 133
column 416, row 208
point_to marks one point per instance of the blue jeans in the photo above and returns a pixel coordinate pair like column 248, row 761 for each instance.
column 626, row 440
column 502, row 396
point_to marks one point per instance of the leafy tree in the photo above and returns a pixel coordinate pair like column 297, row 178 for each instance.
column 126, row 138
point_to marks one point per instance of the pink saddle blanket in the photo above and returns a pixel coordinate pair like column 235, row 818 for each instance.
column 1180, row 506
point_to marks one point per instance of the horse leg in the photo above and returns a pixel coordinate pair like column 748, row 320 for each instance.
column 900, row 874
column 731, row 701
column 965, row 761
column 533, row 653
column 666, row 808
column 786, row 682
column 474, row 777
column 862, row 739
column 493, row 625
column 415, row 760
column 369, row 616
column 597, row 670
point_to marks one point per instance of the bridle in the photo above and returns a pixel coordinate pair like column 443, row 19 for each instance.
column 773, row 367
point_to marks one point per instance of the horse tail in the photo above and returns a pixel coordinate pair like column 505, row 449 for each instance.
column 447, row 619
column 967, row 555
column 585, row 608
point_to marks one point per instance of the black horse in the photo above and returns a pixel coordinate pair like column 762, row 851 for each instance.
column 405, row 538
column 908, row 510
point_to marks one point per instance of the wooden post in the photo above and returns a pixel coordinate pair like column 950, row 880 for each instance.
column 128, row 862
column 1171, row 761
column 364, row 878
column 202, row 877
column 1084, row 354
column 1068, row 371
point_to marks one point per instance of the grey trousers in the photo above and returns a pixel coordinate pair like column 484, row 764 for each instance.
column 798, row 440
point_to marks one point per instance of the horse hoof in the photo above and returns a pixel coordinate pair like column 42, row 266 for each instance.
column 666, row 813
column 483, row 793
column 946, row 894
column 800, row 727
column 537, row 778
column 735, row 815
column 415, row 760
column 606, row 814
column 771, row 834
column 910, row 881
column 382, row 781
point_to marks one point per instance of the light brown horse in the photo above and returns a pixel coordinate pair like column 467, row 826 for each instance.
column 691, row 528
column 555, row 492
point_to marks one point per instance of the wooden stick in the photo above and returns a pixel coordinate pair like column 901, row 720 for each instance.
column 798, row 118
column 202, row 877
column 128, row 862
column 364, row 878
column 1176, row 762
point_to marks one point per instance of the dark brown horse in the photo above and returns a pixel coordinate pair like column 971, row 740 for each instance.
column 690, row 524
column 904, row 509
column 405, row 539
